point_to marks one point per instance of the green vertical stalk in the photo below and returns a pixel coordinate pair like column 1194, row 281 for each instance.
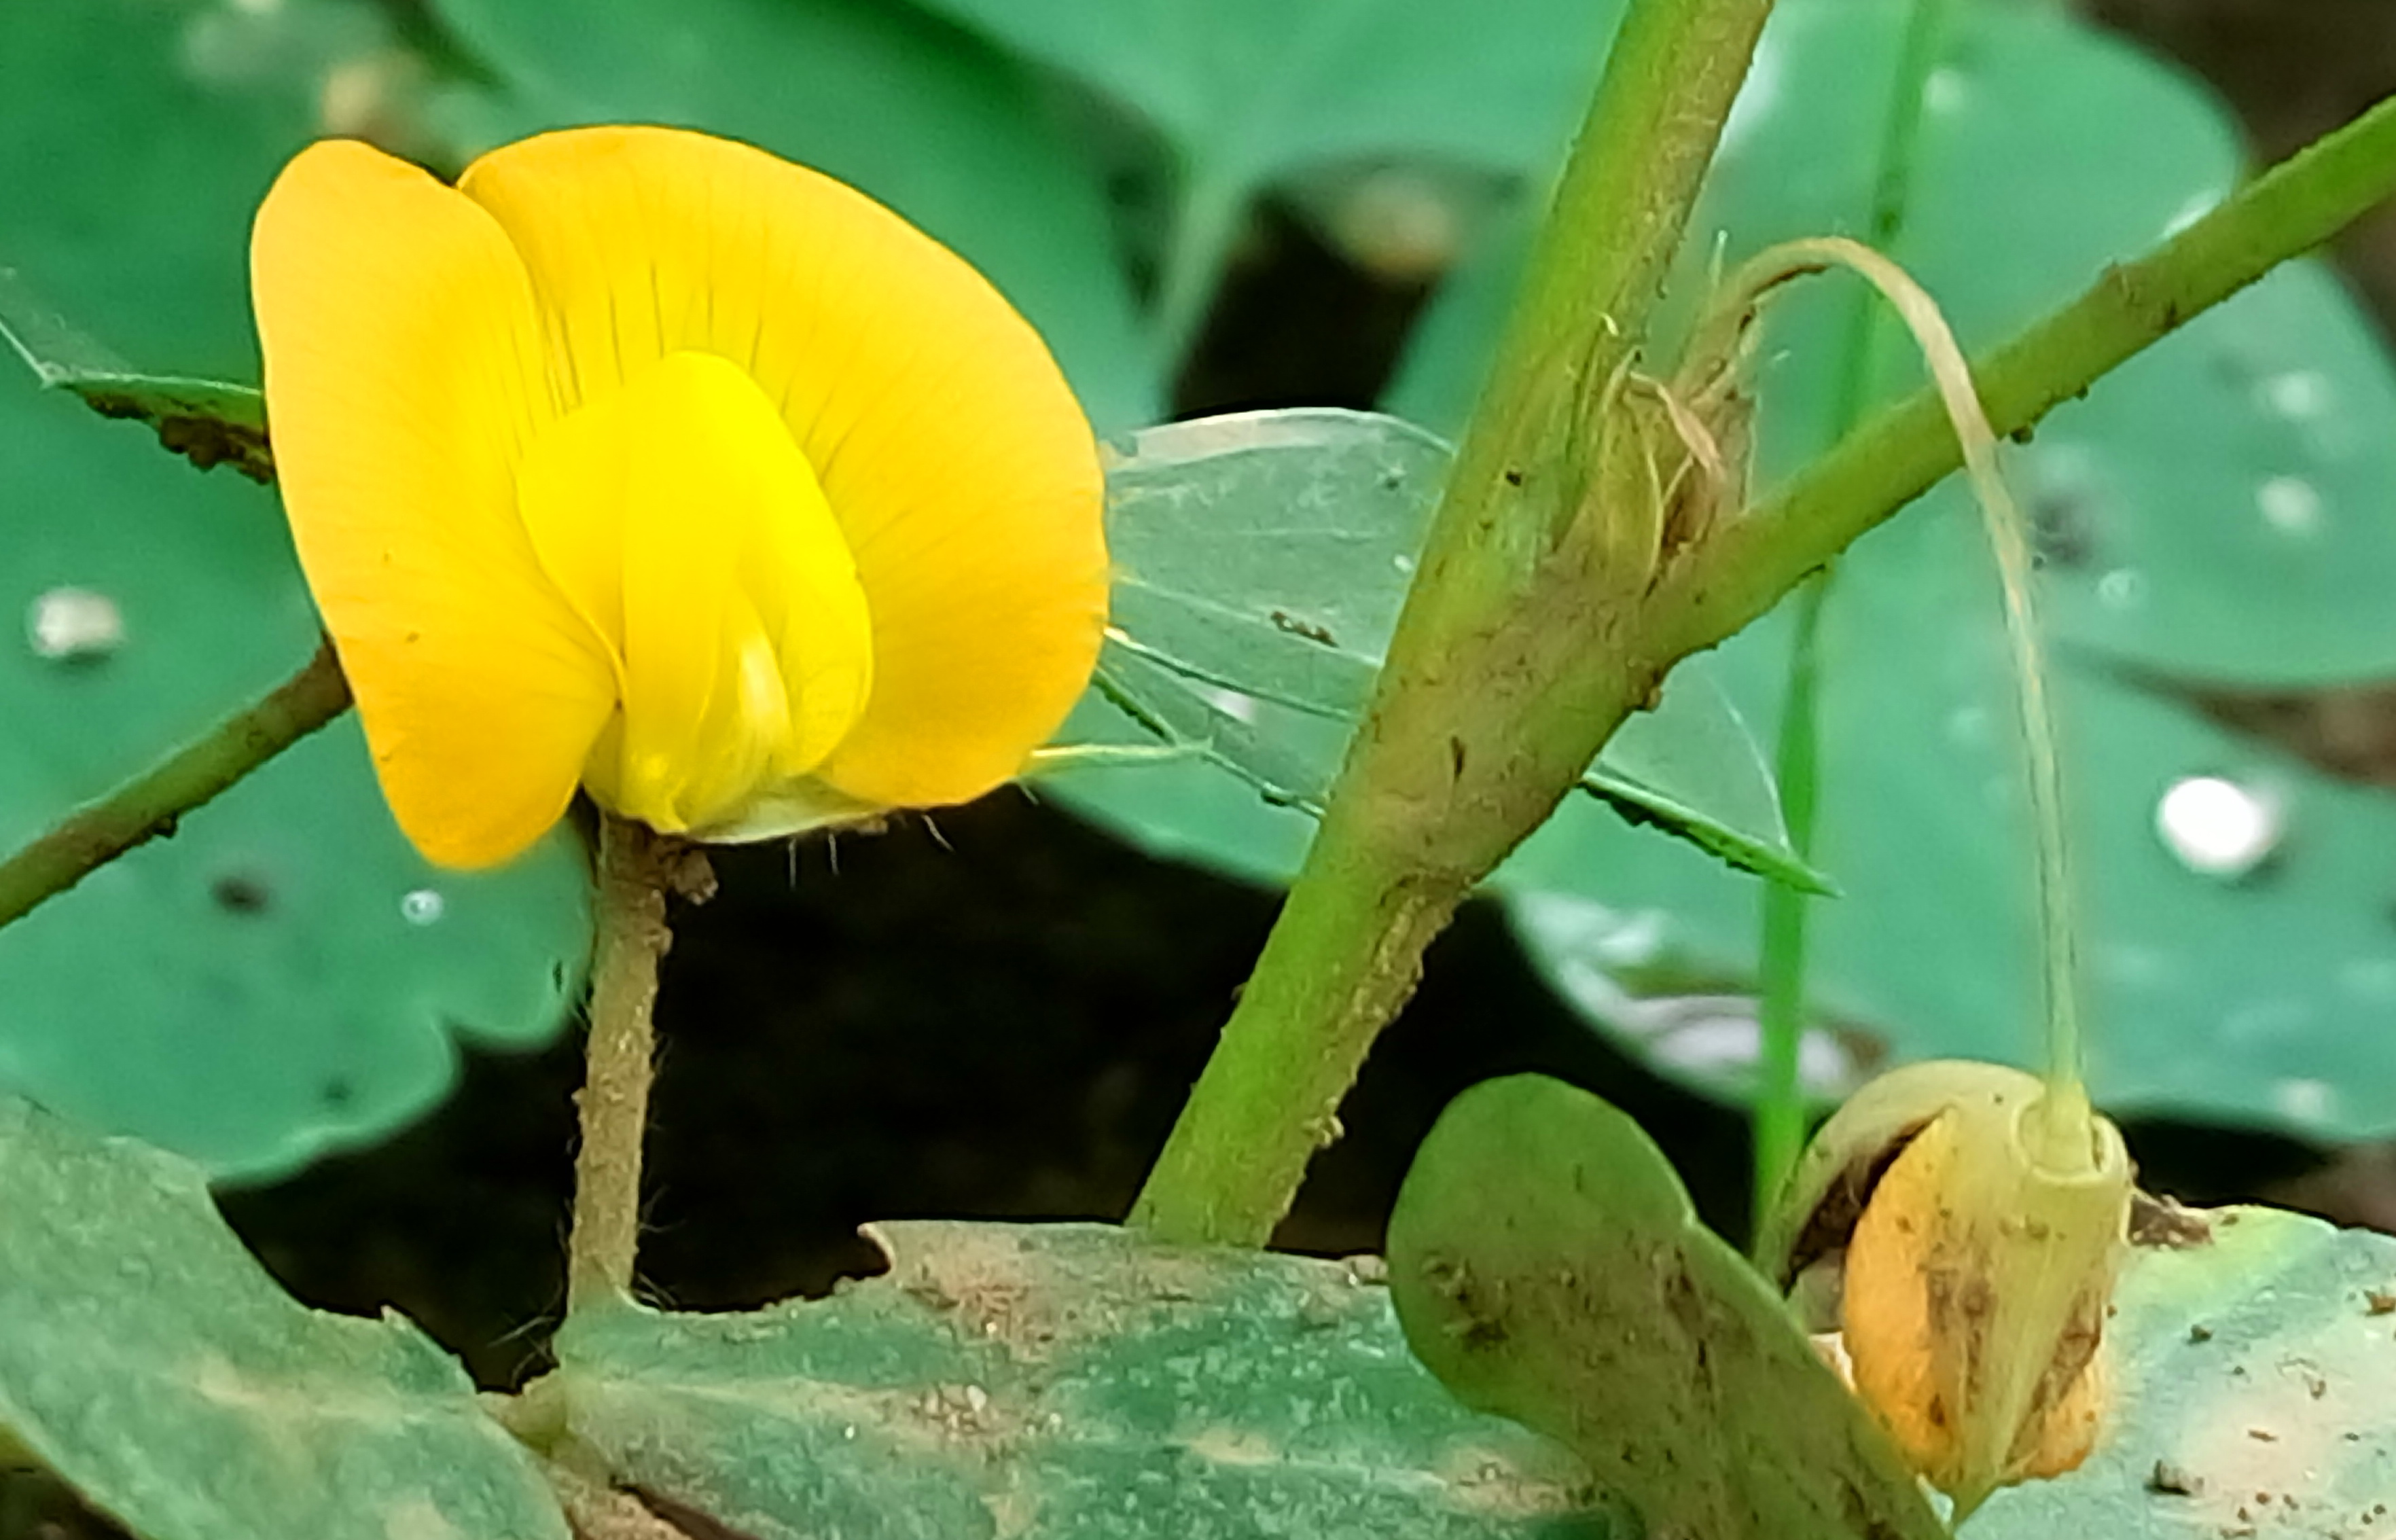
column 1779, row 1106
column 1511, row 661
column 1779, row 1109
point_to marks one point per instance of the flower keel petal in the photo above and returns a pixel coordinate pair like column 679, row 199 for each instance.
column 689, row 528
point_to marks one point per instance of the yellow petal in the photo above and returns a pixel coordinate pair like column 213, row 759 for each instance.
column 1976, row 1286
column 689, row 531
column 953, row 456
column 404, row 378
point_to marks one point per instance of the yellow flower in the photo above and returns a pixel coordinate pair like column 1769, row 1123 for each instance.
column 646, row 461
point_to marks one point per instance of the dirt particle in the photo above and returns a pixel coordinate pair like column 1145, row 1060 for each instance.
column 2262, row 1435
column 2170, row 1480
column 2200, row 1333
column 2160, row 1223
column 240, row 893
column 2379, row 1302
column 1291, row 625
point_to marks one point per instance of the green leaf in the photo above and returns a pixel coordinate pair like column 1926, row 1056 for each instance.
column 2251, row 1378
column 1260, row 562
column 209, row 423
column 1547, row 1266
column 150, row 1362
column 1691, row 769
column 948, row 133
column 1051, row 1382
column 252, row 992
column 2179, row 531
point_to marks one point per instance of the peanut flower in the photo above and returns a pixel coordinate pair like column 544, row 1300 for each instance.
column 644, row 461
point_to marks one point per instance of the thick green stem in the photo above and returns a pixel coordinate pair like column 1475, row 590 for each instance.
column 1512, row 660
column 148, row 806
column 1517, row 652
column 1904, row 449
column 636, row 869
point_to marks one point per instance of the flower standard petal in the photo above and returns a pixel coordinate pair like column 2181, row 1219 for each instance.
column 404, row 378
column 955, row 457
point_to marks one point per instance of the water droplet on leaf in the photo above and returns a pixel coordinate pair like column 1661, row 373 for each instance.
column 72, row 624
column 2298, row 393
column 2124, row 587
column 2304, row 1101
column 2217, row 827
column 2290, row 504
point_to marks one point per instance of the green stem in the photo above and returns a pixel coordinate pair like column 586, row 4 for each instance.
column 1780, row 1115
column 1779, row 1093
column 1511, row 663
column 149, row 805
column 635, row 871
column 1904, row 449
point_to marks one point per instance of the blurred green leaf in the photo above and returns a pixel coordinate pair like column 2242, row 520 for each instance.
column 2201, row 512
column 255, row 989
column 1547, row 1266
column 150, row 1362
column 2250, row 1380
column 2209, row 508
column 1055, row 1381
column 137, row 138
column 1249, row 93
column 2256, row 998
column 1248, row 90
column 287, row 974
column 947, row 132
column 1260, row 562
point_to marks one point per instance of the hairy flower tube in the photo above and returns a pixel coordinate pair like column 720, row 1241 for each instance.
column 645, row 461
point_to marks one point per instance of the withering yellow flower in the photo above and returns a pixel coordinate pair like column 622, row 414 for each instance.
column 644, row 461
column 1985, row 1214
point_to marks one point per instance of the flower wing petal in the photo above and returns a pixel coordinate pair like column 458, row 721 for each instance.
column 680, row 517
column 954, row 457
column 404, row 377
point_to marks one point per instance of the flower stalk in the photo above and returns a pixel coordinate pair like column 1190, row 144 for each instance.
column 148, row 806
column 638, row 869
